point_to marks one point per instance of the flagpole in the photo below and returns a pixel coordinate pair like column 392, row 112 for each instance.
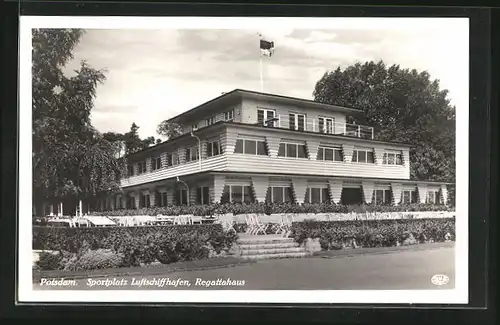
column 260, row 66
column 261, row 77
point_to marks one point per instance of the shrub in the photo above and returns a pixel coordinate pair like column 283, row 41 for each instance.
column 264, row 208
column 95, row 259
column 373, row 233
column 49, row 261
column 134, row 245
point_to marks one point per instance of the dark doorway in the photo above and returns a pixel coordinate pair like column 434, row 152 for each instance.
column 351, row 196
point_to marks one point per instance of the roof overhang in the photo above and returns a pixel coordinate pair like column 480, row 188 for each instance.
column 295, row 175
column 235, row 96
column 340, row 178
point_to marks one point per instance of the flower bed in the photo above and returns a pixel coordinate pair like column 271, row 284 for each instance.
column 103, row 247
column 373, row 233
column 262, row 208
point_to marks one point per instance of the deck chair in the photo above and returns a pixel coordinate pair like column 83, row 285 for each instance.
column 259, row 226
column 249, row 223
column 288, row 224
column 281, row 226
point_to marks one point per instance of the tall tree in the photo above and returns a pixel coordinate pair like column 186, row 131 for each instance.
column 148, row 142
column 169, row 129
column 402, row 105
column 134, row 143
column 117, row 140
column 71, row 160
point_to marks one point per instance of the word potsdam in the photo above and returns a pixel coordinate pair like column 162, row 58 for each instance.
column 57, row 282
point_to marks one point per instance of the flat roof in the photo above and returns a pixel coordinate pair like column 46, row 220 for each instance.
column 242, row 93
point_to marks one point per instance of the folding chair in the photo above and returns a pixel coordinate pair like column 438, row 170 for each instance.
column 259, row 226
column 288, row 224
column 249, row 223
column 227, row 225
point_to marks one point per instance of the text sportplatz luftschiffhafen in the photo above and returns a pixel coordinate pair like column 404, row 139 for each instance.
column 146, row 282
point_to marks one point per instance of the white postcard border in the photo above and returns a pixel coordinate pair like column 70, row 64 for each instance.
column 26, row 293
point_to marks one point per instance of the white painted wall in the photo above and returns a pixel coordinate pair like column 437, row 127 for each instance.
column 249, row 109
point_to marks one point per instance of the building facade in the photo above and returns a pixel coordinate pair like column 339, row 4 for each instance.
column 246, row 146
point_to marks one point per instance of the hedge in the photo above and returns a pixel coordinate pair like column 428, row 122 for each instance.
column 87, row 260
column 137, row 245
column 263, row 208
column 373, row 233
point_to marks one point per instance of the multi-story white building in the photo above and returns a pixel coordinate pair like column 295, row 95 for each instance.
column 246, row 146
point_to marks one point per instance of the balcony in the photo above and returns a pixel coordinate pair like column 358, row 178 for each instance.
column 320, row 125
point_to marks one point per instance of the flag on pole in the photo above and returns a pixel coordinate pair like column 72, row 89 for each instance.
column 266, row 47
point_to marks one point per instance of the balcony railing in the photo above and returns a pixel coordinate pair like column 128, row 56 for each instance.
column 320, row 125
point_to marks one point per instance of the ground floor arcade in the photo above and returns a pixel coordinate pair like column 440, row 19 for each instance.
column 235, row 187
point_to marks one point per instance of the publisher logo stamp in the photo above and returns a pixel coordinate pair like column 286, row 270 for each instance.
column 440, row 279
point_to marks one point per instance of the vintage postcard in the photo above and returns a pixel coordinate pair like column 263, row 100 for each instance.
column 243, row 160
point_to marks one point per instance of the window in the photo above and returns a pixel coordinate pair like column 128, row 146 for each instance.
column 237, row 194
column 130, row 203
column 144, row 201
column 292, row 150
column 214, row 148
column 266, row 117
column 175, row 159
column 317, row 195
column 130, row 170
column 142, row 167
column 163, row 199
column 192, row 154
column 330, row 153
column 210, row 120
column 194, row 127
column 250, row 147
column 181, row 197
column 172, row 159
column 409, row 196
column 433, row 197
column 362, row 156
column 155, row 163
column 392, row 158
column 229, row 115
column 326, row 125
column 202, row 195
column 297, row 121
column 261, row 148
column 382, row 197
column 279, row 194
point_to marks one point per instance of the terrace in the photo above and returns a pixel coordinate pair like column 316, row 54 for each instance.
column 321, row 125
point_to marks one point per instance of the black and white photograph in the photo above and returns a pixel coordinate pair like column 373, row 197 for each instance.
column 220, row 159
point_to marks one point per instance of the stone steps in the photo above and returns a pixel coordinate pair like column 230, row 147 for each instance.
column 271, row 251
column 274, row 256
column 269, row 248
column 265, row 241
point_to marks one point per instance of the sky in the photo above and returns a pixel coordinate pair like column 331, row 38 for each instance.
column 155, row 74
